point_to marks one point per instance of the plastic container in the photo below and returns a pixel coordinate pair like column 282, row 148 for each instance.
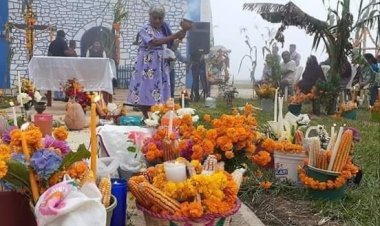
column 295, row 109
column 286, row 165
column 349, row 114
column 323, row 176
column 110, row 209
column 130, row 120
column 44, row 122
column 119, row 190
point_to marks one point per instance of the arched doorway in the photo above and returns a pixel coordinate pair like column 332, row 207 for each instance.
column 100, row 33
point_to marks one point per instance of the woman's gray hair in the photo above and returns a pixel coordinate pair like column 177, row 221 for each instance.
column 157, row 10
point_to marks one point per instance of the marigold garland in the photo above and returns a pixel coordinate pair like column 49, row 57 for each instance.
column 349, row 172
column 262, row 158
column 5, row 152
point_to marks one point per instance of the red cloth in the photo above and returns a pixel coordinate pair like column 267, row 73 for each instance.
column 15, row 210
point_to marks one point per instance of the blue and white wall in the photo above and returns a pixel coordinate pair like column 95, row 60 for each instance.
column 4, row 47
column 78, row 16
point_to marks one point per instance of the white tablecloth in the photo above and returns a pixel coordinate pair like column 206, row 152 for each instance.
column 51, row 73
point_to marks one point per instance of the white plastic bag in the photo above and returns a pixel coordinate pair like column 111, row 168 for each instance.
column 168, row 53
column 128, row 162
column 65, row 205
column 107, row 167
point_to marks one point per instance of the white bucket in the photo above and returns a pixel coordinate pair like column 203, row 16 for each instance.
column 286, row 165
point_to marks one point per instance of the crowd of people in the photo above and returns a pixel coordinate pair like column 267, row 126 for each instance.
column 365, row 75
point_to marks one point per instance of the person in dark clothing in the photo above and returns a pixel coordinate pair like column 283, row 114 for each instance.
column 313, row 72
column 371, row 78
column 198, row 72
column 72, row 47
column 96, row 50
column 58, row 47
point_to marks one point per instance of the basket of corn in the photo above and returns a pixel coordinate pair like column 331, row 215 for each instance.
column 203, row 196
column 327, row 171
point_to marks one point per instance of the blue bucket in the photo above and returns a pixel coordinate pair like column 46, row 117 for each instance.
column 130, row 120
column 119, row 190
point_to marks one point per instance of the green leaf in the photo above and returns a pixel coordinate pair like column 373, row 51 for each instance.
column 132, row 149
column 79, row 155
column 17, row 175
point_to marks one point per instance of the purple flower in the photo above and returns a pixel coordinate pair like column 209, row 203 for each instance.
column 45, row 162
column 355, row 133
column 6, row 137
column 50, row 142
column 188, row 152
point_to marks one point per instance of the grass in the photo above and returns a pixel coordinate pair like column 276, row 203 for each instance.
column 361, row 206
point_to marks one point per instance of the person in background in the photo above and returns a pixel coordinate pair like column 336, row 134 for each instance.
column 58, row 47
column 150, row 83
column 288, row 72
column 267, row 71
column 172, row 62
column 71, row 51
column 313, row 72
column 296, row 57
column 371, row 78
column 96, row 50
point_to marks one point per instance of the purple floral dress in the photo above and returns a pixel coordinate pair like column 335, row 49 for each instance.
column 150, row 83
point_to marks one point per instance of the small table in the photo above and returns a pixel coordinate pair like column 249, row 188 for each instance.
column 51, row 73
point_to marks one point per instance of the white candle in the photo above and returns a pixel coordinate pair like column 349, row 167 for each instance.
column 14, row 113
column 19, row 82
column 275, row 105
column 183, row 99
column 175, row 171
column 332, row 130
column 170, row 127
column 280, row 116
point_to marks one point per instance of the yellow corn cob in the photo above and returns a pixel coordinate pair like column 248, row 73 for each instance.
column 344, row 147
column 105, row 190
column 156, row 197
column 88, row 177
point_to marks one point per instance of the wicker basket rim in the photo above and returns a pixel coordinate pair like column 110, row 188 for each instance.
column 204, row 218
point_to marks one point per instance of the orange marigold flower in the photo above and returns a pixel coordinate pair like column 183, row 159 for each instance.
column 262, row 158
column 266, row 185
column 5, row 152
column 229, row 154
column 150, row 156
column 60, row 133
column 218, row 157
column 208, row 146
column 3, row 169
column 251, row 148
column 207, row 118
column 15, row 137
column 197, row 153
column 211, row 134
column 248, row 109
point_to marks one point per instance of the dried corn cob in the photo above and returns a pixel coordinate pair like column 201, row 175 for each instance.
column 105, row 190
column 335, row 150
column 133, row 186
column 298, row 137
column 88, row 177
column 156, row 197
column 343, row 151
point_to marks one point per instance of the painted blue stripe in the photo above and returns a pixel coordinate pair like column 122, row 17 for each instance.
column 4, row 46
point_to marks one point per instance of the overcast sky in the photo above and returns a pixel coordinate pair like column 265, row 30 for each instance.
column 229, row 18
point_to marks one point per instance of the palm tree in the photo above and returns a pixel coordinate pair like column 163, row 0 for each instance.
column 335, row 35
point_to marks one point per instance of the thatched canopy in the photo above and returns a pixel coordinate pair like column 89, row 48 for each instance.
column 288, row 14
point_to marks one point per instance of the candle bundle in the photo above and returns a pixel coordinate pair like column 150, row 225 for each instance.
column 169, row 149
column 93, row 138
column 318, row 157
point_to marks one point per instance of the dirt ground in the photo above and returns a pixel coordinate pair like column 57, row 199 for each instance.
column 277, row 210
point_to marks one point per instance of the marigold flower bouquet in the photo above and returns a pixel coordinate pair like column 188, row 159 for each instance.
column 227, row 137
column 74, row 90
column 265, row 91
column 28, row 95
column 31, row 163
column 207, row 195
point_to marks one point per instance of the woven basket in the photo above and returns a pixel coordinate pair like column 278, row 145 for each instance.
column 154, row 219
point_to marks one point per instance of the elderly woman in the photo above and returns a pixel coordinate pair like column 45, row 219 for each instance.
column 150, row 82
